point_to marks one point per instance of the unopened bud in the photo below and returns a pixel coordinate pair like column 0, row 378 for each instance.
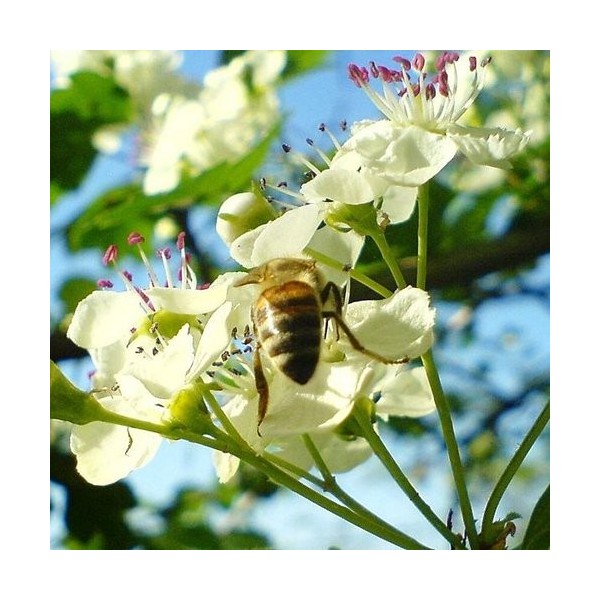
column 241, row 213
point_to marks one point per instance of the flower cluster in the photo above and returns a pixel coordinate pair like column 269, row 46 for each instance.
column 372, row 178
column 149, row 343
column 236, row 105
column 146, row 345
column 184, row 128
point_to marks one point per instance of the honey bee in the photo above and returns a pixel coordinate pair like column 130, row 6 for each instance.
column 288, row 318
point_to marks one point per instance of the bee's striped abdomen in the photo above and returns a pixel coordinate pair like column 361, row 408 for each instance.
column 288, row 322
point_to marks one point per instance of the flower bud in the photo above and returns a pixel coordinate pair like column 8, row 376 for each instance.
column 189, row 411
column 349, row 428
column 362, row 218
column 69, row 403
column 241, row 213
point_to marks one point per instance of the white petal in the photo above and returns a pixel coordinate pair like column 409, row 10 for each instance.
column 242, row 248
column 165, row 373
column 399, row 203
column 226, row 465
column 406, row 394
column 322, row 403
column 407, row 156
column 339, row 454
column 339, row 185
column 108, row 360
column 104, row 317
column 396, row 327
column 491, row 147
column 344, row 247
column 288, row 235
column 106, row 453
column 188, row 302
column 215, row 338
column 241, row 213
column 342, row 455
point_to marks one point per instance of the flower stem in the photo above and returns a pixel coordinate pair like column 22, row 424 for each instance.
column 403, row 482
column 222, row 417
column 332, row 486
column 238, row 447
column 264, row 463
column 356, row 275
column 443, row 410
column 215, row 440
column 423, row 201
column 386, row 253
column 512, row 467
column 363, row 522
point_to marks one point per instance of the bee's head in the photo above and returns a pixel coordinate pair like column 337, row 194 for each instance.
column 281, row 270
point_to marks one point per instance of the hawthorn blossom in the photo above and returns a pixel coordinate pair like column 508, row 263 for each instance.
column 144, row 74
column 236, row 105
column 255, row 234
column 343, row 375
column 146, row 344
column 420, row 133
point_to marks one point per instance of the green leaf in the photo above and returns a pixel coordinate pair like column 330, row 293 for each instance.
column 537, row 536
column 228, row 55
column 76, row 113
column 74, row 290
column 300, row 61
column 244, row 540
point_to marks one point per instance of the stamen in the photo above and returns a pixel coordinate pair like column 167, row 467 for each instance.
column 104, row 283
column 110, row 256
column 419, row 62
column 302, row 159
column 183, row 265
column 165, row 255
column 359, row 75
column 320, row 152
column 282, row 188
column 137, row 239
column 405, row 63
column 324, row 129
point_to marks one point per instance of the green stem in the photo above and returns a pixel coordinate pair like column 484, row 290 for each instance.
column 332, row 486
column 354, row 274
column 222, row 417
column 443, row 410
column 280, row 475
column 282, row 478
column 386, row 252
column 400, row 478
column 216, row 441
column 512, row 467
column 423, row 200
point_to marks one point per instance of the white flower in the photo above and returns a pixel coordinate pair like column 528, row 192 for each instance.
column 347, row 182
column 420, row 133
column 146, row 346
column 343, row 375
column 144, row 74
column 235, row 107
column 289, row 235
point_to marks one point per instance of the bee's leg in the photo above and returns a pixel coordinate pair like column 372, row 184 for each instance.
column 356, row 344
column 331, row 291
column 262, row 387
